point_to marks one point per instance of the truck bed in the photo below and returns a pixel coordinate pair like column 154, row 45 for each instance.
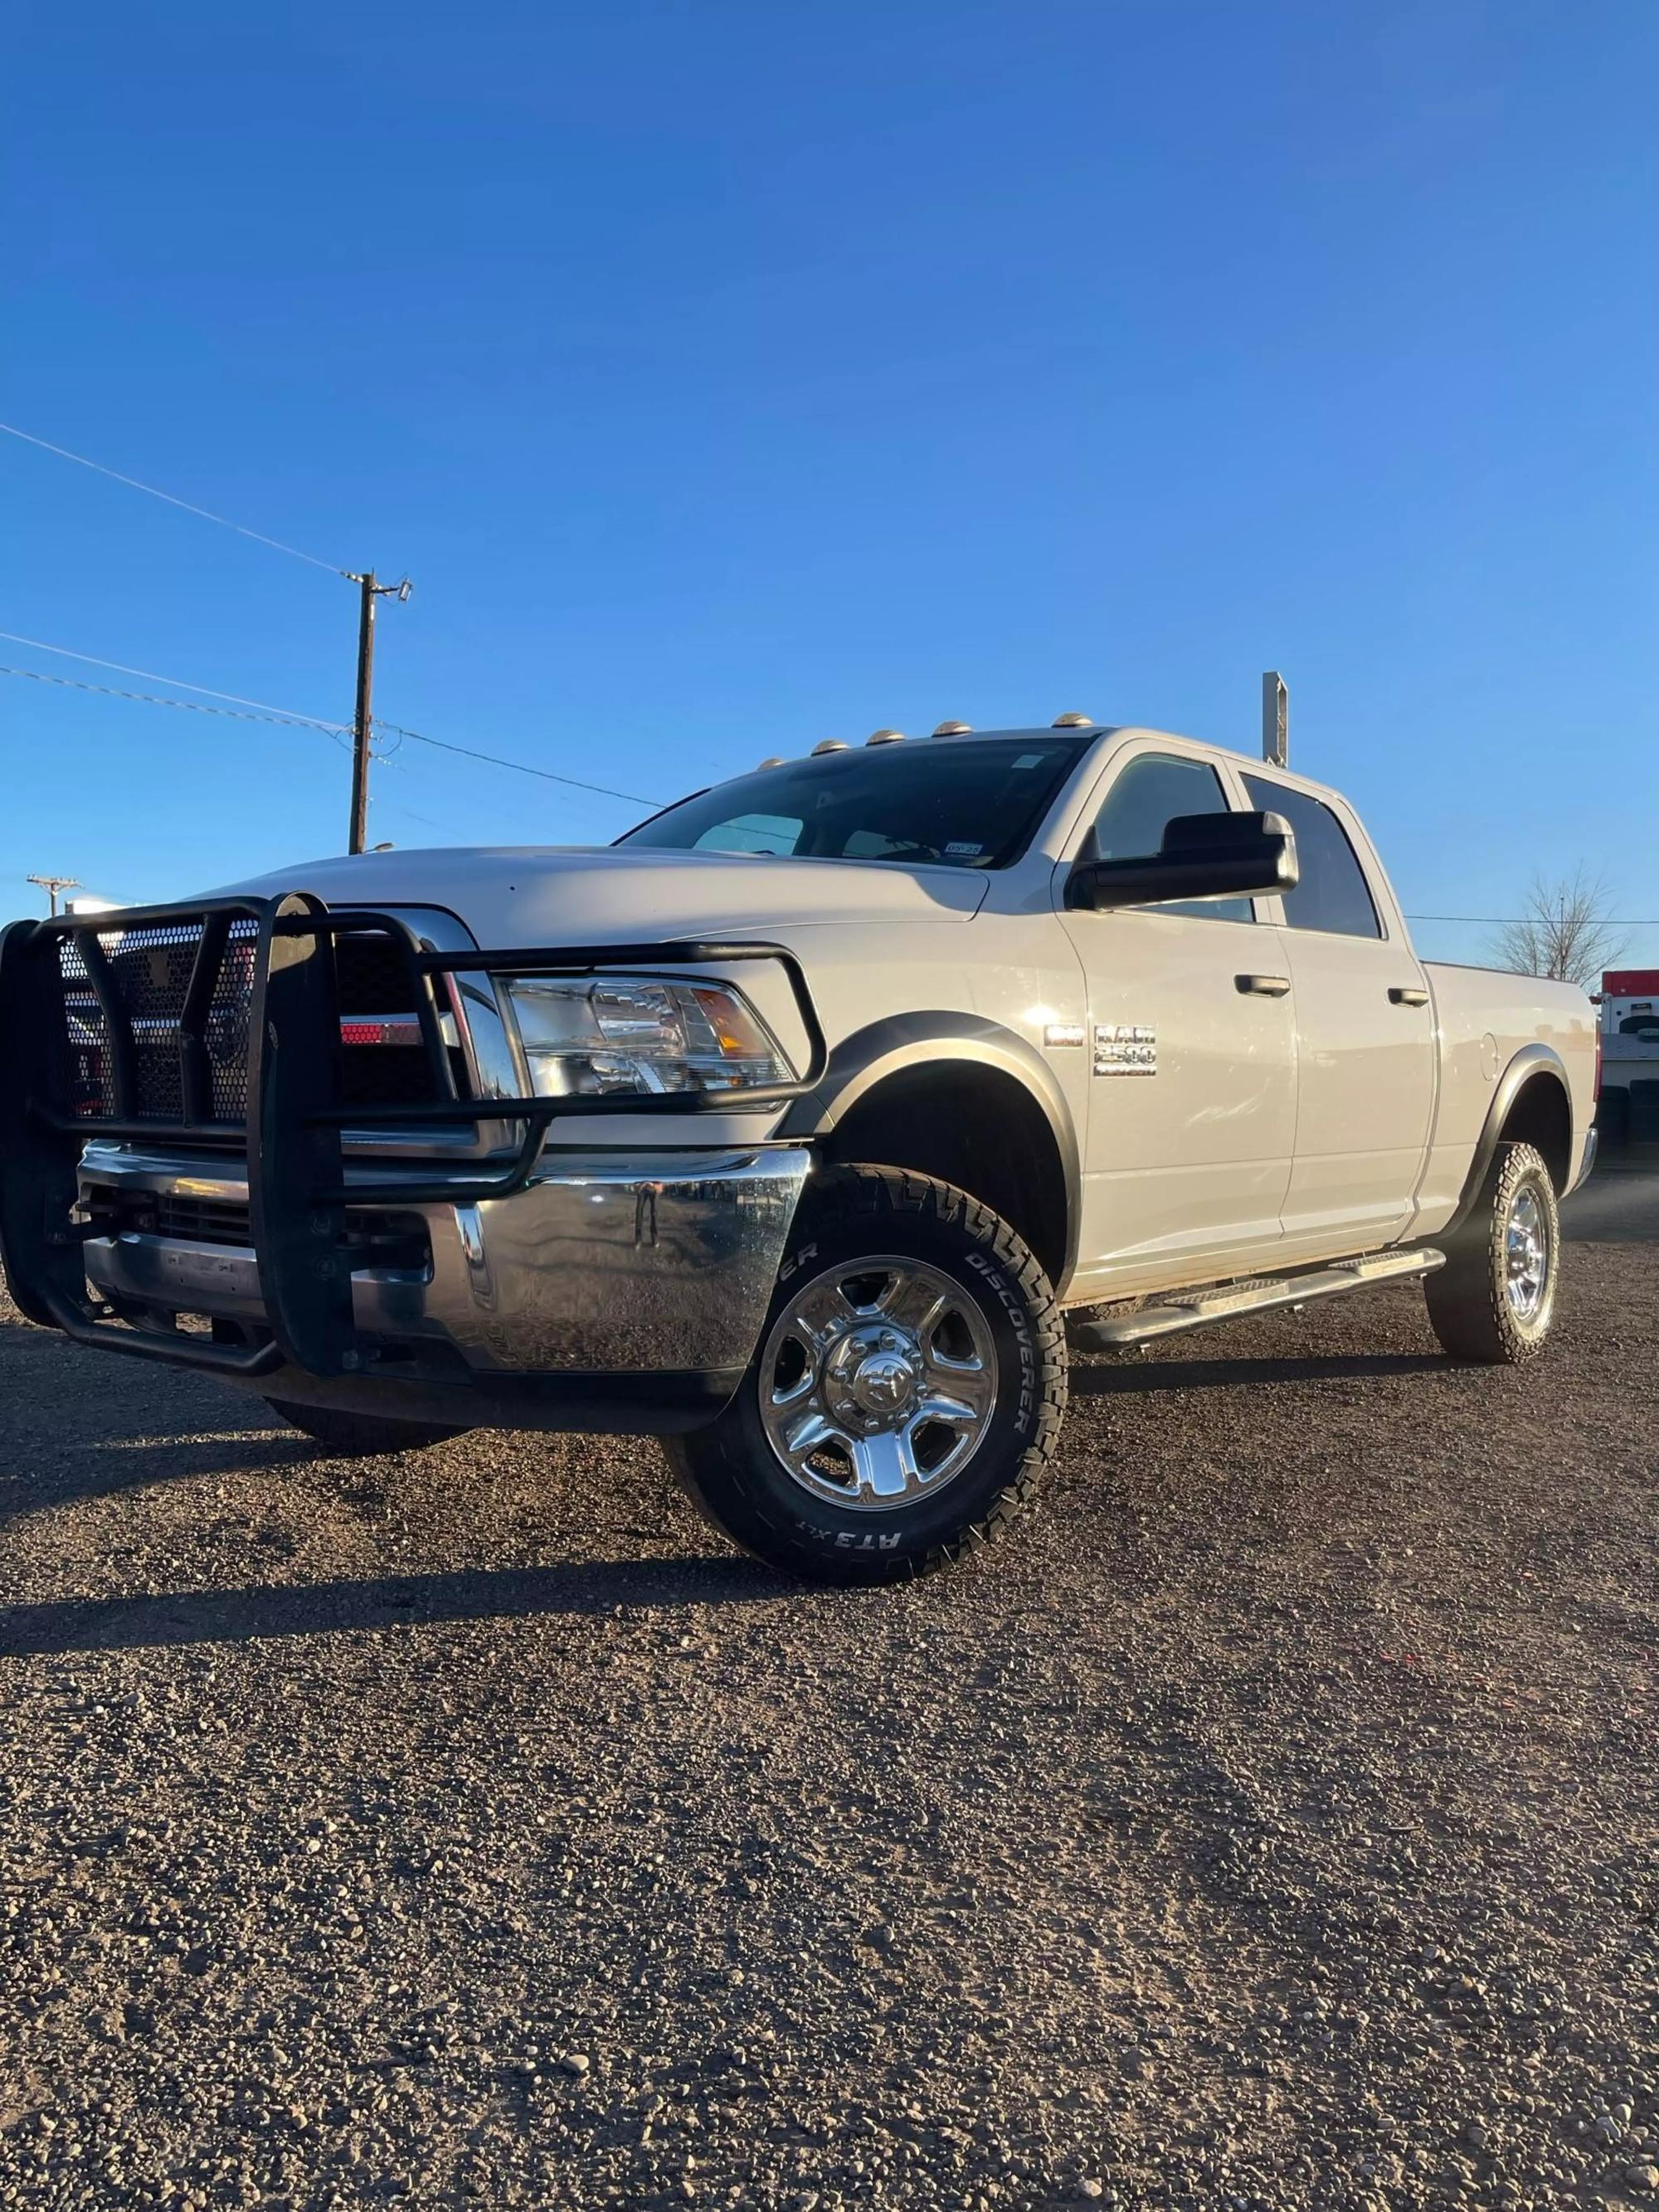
column 1484, row 1016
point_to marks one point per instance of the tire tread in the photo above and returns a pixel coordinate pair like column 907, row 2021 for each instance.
column 870, row 1195
column 1469, row 1310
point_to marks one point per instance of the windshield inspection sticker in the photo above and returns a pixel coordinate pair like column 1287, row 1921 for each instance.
column 1030, row 760
column 958, row 851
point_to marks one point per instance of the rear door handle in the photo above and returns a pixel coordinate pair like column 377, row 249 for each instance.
column 1407, row 994
column 1263, row 987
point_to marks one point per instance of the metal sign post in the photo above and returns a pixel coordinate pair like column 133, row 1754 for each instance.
column 1275, row 719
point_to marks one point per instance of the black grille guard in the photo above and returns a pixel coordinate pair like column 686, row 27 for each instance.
column 293, row 1134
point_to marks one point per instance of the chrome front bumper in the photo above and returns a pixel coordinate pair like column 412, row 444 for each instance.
column 637, row 1266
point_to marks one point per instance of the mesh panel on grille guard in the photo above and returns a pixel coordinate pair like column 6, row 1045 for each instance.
column 226, row 1028
column 149, row 974
column 81, row 1038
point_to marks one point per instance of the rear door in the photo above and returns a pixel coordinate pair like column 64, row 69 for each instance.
column 1192, row 1097
column 1365, row 1038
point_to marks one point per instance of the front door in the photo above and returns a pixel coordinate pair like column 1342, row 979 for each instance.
column 1192, row 1099
column 1365, row 1026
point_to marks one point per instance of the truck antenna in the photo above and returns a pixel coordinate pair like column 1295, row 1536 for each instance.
column 1275, row 719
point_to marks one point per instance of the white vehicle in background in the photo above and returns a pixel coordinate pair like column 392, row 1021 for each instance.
column 796, row 1127
column 1628, row 1093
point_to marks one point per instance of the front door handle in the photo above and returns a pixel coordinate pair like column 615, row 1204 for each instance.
column 1407, row 994
column 1263, row 987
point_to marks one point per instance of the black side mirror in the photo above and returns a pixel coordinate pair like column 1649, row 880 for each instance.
column 1203, row 856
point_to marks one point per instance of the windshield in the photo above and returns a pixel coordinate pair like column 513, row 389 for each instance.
column 970, row 804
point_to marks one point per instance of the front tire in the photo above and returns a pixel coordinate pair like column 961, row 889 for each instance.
column 906, row 1396
column 359, row 1436
column 1494, row 1299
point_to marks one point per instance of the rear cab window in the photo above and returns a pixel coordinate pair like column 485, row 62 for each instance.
column 1332, row 894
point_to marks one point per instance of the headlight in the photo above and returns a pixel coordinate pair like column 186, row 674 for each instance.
column 597, row 1036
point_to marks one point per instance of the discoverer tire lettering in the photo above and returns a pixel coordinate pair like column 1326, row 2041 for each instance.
column 1470, row 1305
column 739, row 1483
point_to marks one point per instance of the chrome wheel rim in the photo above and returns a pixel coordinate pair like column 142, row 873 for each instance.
column 1526, row 1257
column 877, row 1384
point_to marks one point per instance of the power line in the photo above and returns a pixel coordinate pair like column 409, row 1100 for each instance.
column 253, row 709
column 392, row 806
column 189, row 507
column 523, row 768
column 149, row 676
column 337, row 730
column 1612, row 922
column 237, row 708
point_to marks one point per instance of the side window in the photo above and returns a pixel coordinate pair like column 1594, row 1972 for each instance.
column 1151, row 791
column 1332, row 893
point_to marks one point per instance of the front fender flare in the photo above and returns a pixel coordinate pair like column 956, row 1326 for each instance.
column 902, row 1042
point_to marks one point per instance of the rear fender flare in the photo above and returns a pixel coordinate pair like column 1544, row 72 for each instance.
column 1532, row 1060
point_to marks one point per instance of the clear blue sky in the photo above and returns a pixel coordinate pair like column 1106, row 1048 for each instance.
column 730, row 376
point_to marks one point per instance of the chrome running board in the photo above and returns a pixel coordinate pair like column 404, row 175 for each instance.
column 1237, row 1301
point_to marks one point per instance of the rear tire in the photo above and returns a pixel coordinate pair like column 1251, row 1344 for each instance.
column 359, row 1436
column 1494, row 1299
column 914, row 1333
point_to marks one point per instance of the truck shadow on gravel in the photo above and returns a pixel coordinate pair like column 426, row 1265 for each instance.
column 1108, row 1377
column 391, row 1602
column 108, row 1466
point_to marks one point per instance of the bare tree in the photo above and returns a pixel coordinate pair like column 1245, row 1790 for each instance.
column 1564, row 931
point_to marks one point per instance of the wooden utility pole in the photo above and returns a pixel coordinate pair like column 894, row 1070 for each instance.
column 52, row 884
column 362, row 726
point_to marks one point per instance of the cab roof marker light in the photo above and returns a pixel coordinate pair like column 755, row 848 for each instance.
column 954, row 730
column 885, row 738
column 830, row 745
column 1072, row 722
column 773, row 760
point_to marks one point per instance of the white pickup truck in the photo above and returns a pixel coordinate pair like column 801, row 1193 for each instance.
column 801, row 1128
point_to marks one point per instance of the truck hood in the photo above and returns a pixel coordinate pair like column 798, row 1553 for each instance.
column 598, row 894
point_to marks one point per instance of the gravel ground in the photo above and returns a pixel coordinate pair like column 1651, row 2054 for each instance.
column 1271, row 1823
